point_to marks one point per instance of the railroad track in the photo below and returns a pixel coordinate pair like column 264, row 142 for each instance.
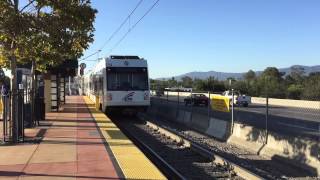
column 238, row 170
column 178, row 157
column 164, row 166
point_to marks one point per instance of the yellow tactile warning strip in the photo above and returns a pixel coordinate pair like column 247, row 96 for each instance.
column 133, row 163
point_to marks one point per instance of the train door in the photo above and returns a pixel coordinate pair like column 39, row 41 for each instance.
column 104, row 88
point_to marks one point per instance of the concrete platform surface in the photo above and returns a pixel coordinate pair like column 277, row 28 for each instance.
column 71, row 146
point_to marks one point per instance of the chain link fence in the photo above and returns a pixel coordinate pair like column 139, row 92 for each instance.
column 292, row 117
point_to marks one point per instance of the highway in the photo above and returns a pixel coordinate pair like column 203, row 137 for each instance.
column 288, row 120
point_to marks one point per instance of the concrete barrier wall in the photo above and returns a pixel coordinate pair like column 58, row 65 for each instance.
column 187, row 118
column 218, row 128
column 298, row 151
column 302, row 152
column 200, row 122
column 165, row 112
column 247, row 137
column 288, row 102
column 258, row 100
column 196, row 121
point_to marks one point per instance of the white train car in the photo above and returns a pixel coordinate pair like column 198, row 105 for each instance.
column 85, row 81
column 119, row 82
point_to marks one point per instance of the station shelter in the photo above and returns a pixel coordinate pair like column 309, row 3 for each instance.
column 55, row 84
column 52, row 85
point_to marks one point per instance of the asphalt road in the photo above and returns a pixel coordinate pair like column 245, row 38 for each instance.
column 288, row 120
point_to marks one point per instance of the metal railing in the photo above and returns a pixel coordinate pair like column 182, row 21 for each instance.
column 293, row 117
column 14, row 120
column 6, row 111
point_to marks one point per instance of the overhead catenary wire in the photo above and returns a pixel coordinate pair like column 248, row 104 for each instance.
column 121, row 25
column 93, row 59
column 132, row 27
column 84, row 59
column 115, row 32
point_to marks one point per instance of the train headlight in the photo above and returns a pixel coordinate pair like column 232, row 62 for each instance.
column 109, row 97
column 146, row 96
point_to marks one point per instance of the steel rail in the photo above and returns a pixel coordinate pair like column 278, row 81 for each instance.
column 168, row 170
column 238, row 169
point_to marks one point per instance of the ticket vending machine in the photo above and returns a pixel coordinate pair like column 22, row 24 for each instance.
column 24, row 97
column 24, row 81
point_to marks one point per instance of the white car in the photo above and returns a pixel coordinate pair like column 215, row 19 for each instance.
column 239, row 99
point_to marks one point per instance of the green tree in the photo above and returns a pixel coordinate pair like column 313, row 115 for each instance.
column 199, row 85
column 44, row 32
column 187, row 82
column 249, row 76
column 219, row 86
column 172, row 82
column 229, row 82
column 4, row 80
column 209, row 84
column 211, row 81
column 153, row 84
column 297, row 73
column 270, row 83
column 294, row 91
column 2, row 75
column 250, row 87
column 296, row 76
column 312, row 84
column 241, row 86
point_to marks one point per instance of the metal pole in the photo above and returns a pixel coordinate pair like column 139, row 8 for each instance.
column 4, row 117
column 232, row 111
column 208, row 104
column 177, row 114
column 167, row 97
column 178, row 99
column 69, row 86
column 319, row 138
column 267, row 117
column 191, row 106
column 16, row 120
column 9, row 118
column 22, row 118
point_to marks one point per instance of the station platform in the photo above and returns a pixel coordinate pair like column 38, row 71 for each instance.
column 78, row 142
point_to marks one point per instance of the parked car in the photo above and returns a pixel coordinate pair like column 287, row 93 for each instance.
column 196, row 100
column 239, row 99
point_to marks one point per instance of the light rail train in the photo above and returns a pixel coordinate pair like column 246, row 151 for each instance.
column 119, row 83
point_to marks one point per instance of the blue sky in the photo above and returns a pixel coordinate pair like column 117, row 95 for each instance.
column 180, row 36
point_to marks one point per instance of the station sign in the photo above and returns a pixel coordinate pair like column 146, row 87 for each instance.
column 220, row 103
column 83, row 65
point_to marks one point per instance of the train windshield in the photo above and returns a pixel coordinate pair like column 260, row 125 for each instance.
column 127, row 79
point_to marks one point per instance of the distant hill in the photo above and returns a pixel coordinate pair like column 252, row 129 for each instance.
column 225, row 75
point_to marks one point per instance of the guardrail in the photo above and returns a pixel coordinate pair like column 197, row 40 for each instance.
column 290, row 132
column 261, row 114
column 255, row 100
column 14, row 123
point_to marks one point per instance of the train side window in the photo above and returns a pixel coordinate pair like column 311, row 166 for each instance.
column 112, row 81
